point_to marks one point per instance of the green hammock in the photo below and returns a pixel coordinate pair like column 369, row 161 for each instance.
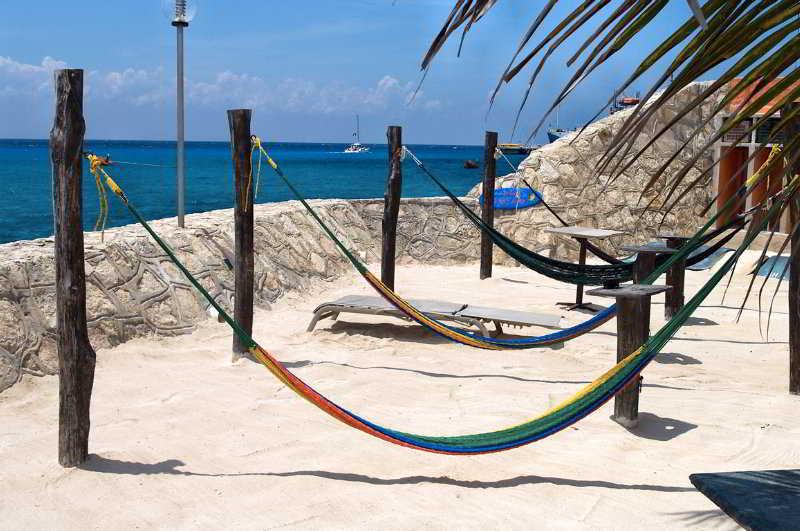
column 586, row 274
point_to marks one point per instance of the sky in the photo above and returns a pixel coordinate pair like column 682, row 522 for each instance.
column 305, row 68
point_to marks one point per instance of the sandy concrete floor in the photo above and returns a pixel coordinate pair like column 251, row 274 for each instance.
column 182, row 438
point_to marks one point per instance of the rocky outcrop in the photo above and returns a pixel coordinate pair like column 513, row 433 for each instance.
column 566, row 173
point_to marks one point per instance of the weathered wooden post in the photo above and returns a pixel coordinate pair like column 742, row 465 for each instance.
column 243, row 268
column 391, row 204
column 644, row 264
column 676, row 278
column 633, row 330
column 487, row 212
column 76, row 358
column 792, row 131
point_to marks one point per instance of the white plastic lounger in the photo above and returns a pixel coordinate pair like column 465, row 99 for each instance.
column 444, row 311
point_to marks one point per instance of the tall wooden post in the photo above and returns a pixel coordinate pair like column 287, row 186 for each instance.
column 76, row 358
column 633, row 330
column 487, row 212
column 244, row 270
column 792, row 131
column 391, row 204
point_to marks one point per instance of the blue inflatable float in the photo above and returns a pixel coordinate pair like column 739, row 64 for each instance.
column 514, row 198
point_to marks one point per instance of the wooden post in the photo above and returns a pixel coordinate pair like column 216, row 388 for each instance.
column 633, row 330
column 487, row 212
column 76, row 358
column 792, row 131
column 244, row 270
column 581, row 261
column 676, row 276
column 391, row 204
column 644, row 265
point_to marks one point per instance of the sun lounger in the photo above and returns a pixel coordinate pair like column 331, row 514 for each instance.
column 444, row 311
column 759, row 500
column 774, row 267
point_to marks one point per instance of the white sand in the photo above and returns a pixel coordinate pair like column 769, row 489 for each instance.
column 183, row 439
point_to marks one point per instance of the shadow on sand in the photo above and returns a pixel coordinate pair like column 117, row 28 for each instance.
column 673, row 358
column 308, row 363
column 657, row 428
column 105, row 465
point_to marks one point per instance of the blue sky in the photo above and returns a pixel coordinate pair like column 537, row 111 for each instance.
column 304, row 67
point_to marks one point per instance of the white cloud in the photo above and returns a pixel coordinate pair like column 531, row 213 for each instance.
column 154, row 87
column 304, row 96
column 133, row 86
column 18, row 78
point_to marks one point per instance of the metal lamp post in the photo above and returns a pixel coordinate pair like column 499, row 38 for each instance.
column 180, row 21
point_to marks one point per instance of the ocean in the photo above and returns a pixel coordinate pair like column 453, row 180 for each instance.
column 318, row 170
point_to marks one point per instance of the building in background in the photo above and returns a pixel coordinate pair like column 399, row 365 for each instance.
column 735, row 149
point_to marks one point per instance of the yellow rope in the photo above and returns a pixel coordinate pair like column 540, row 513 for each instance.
column 257, row 146
column 96, row 167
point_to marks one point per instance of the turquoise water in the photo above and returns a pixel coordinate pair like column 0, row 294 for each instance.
column 319, row 171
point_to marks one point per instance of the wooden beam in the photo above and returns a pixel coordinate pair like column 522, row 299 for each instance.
column 244, row 262
column 391, row 204
column 793, row 159
column 76, row 358
column 487, row 212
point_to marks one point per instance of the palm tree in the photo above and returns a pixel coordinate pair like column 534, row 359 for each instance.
column 755, row 44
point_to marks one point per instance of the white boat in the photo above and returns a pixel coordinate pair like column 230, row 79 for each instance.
column 357, row 146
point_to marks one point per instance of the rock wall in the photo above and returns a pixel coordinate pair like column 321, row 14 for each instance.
column 565, row 172
column 134, row 290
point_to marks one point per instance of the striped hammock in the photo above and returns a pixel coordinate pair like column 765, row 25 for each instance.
column 552, row 421
column 469, row 338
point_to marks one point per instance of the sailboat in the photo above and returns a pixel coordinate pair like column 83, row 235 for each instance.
column 357, row 146
column 554, row 133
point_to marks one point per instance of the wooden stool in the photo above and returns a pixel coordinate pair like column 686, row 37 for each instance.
column 633, row 330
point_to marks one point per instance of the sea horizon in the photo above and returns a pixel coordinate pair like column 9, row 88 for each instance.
column 273, row 142
column 321, row 170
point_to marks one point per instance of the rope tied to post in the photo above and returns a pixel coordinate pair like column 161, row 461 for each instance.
column 256, row 142
column 96, row 164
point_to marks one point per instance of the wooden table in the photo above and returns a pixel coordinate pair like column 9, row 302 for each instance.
column 582, row 235
column 633, row 329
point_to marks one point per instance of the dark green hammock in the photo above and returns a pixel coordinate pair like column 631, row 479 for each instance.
column 586, row 274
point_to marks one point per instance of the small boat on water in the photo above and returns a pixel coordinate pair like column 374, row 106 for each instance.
column 357, row 146
column 515, row 149
column 624, row 102
column 554, row 133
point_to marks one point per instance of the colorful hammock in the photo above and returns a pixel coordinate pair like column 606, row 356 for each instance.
column 455, row 334
column 616, row 271
column 554, row 420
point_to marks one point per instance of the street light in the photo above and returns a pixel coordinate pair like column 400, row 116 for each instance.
column 181, row 13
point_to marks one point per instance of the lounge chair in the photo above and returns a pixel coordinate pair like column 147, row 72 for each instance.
column 757, row 500
column 465, row 314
